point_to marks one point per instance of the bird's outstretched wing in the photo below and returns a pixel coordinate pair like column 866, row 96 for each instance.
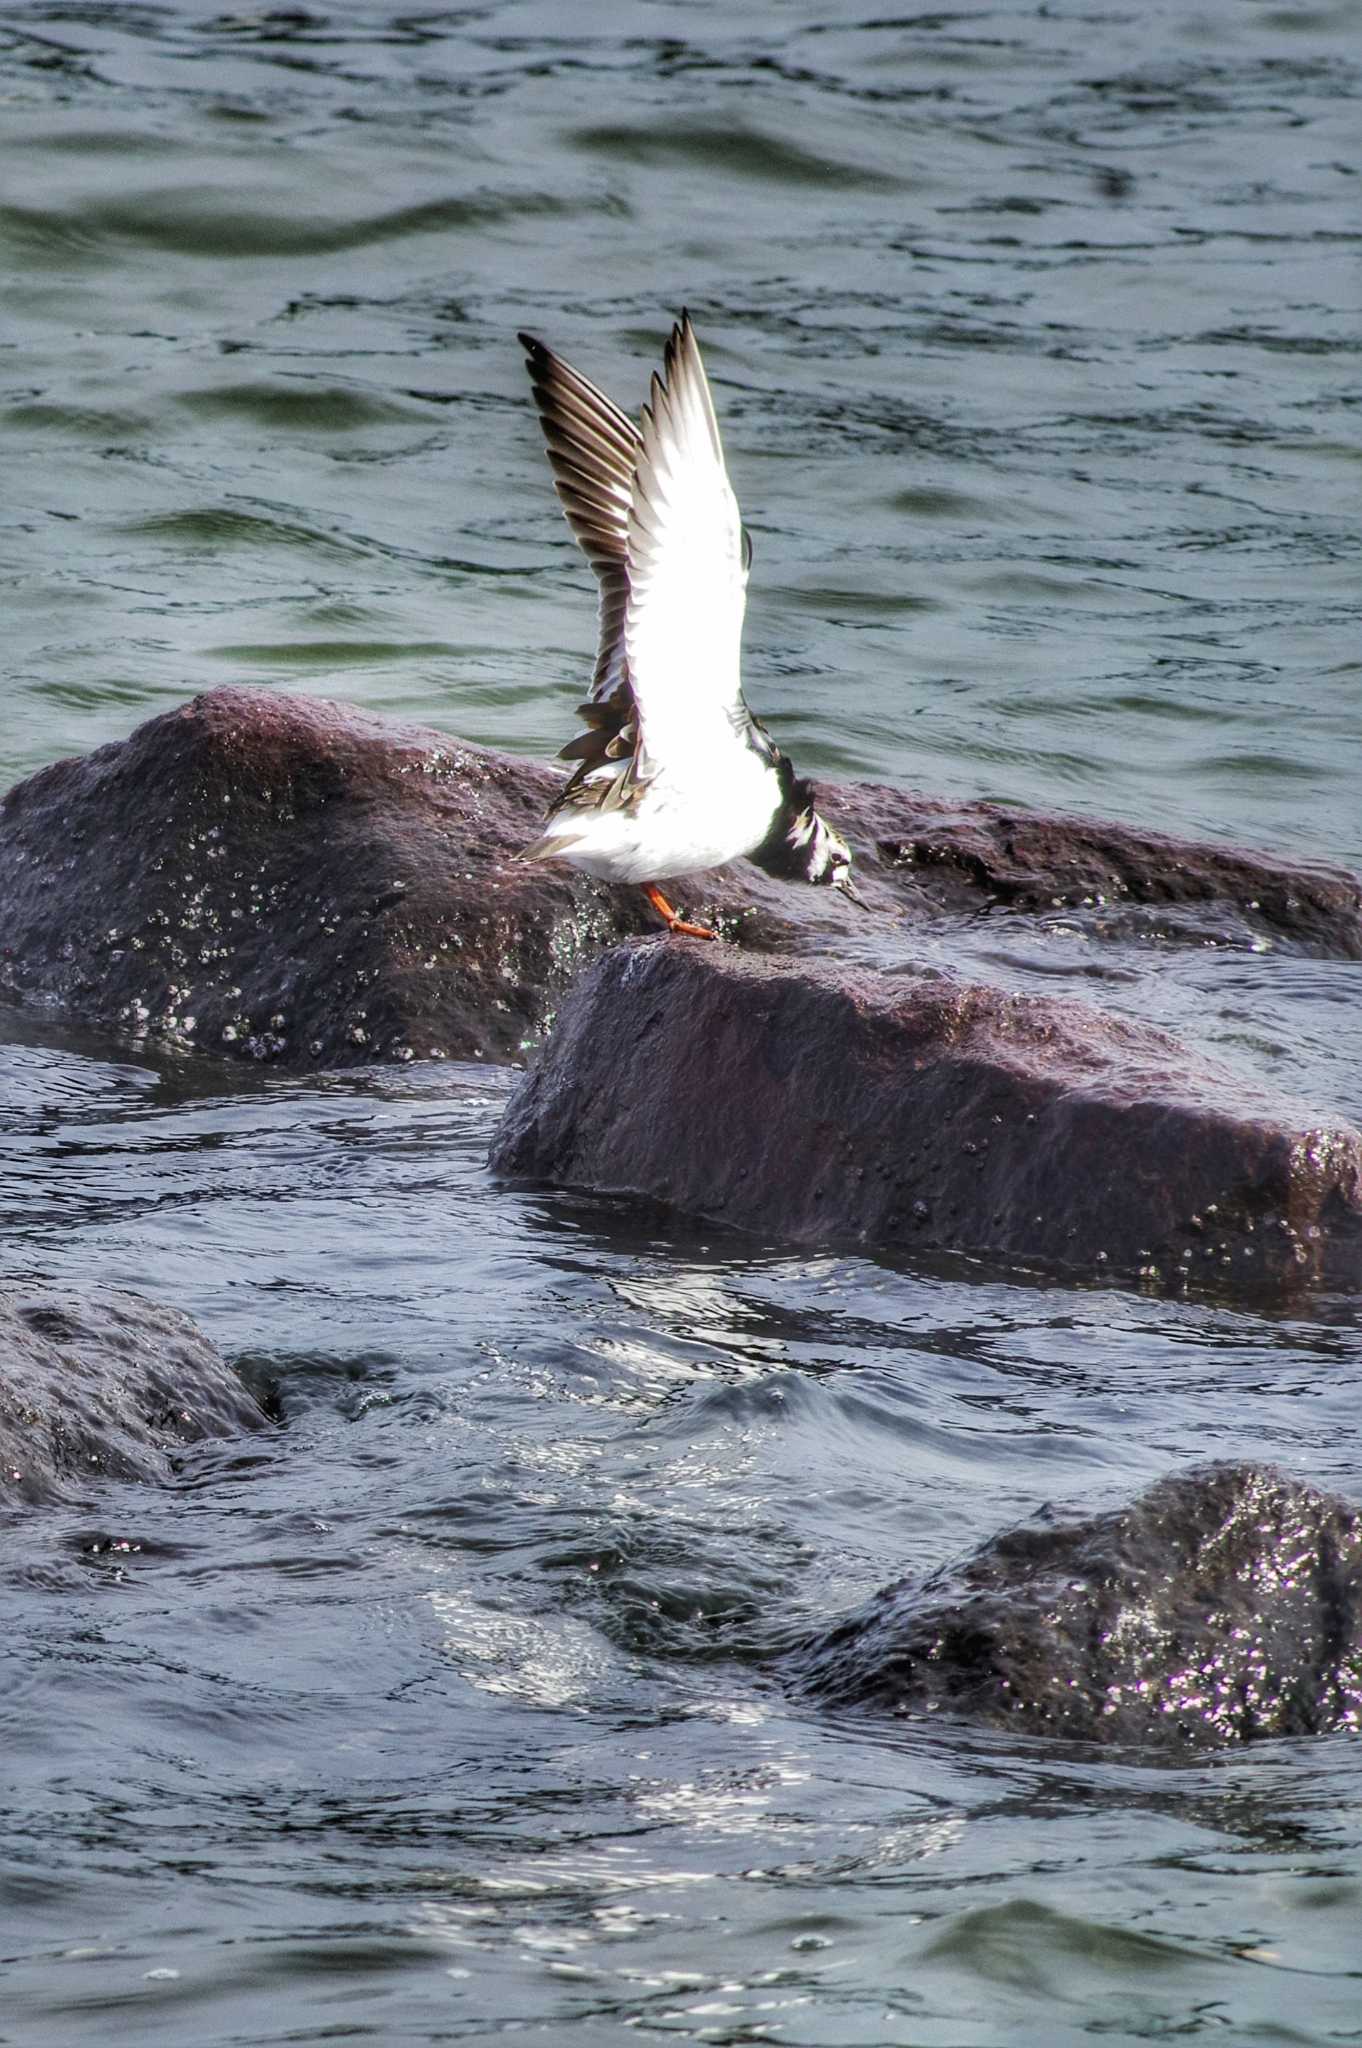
column 655, row 514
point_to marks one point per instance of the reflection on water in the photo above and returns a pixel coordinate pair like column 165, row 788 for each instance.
column 474, row 1667
column 452, row 1709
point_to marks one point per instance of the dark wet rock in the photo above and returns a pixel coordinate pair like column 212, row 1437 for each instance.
column 1117, row 880
column 105, row 1385
column 826, row 1104
column 286, row 879
column 289, row 880
column 1222, row 1606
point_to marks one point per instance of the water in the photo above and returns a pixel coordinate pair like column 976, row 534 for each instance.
column 453, row 1710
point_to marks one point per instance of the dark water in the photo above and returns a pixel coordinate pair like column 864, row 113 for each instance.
column 450, row 1712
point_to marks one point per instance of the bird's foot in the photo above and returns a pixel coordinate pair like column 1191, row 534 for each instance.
column 673, row 918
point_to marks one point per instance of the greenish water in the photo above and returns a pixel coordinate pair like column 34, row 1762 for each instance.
column 450, row 1714
column 1036, row 338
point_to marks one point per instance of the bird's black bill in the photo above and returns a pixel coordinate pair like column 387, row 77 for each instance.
column 846, row 887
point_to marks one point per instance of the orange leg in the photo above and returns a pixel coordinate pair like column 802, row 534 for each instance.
column 675, row 921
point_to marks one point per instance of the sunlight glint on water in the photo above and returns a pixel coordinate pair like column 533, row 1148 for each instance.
column 450, row 1711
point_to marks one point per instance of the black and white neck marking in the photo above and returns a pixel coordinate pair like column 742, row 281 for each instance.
column 800, row 845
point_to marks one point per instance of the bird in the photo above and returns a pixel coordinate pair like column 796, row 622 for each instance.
column 673, row 773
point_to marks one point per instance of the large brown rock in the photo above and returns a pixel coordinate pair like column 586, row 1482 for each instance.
column 289, row 880
column 827, row 1104
column 286, row 879
column 1224, row 1605
column 277, row 877
column 105, row 1385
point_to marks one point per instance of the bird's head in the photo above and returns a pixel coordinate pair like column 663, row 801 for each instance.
column 803, row 847
column 825, row 858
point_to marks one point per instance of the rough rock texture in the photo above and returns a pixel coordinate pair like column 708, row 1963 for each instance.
column 105, row 1384
column 281, row 878
column 962, row 857
column 1222, row 1606
column 827, row 1104
column 287, row 879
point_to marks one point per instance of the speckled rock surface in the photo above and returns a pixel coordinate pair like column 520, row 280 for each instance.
column 288, row 880
column 1222, row 1606
column 281, row 878
column 104, row 1385
column 828, row 1105
column 1119, row 882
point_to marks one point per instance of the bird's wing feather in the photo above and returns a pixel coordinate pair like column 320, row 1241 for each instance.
column 656, row 516
column 592, row 451
column 687, row 579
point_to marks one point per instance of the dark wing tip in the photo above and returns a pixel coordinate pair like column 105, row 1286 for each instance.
column 680, row 342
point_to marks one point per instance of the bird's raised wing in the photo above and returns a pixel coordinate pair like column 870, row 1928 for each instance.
column 592, row 451
column 656, row 516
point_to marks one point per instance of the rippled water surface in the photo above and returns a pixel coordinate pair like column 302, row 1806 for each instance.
column 453, row 1709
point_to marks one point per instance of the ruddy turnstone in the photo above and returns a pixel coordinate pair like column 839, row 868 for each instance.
column 674, row 773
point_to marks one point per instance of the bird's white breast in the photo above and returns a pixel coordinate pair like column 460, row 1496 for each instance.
column 707, row 806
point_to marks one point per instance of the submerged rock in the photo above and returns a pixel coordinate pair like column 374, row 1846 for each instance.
column 105, row 1385
column 1222, row 1606
column 827, row 1104
column 280, row 878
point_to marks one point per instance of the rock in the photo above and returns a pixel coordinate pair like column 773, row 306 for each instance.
column 1224, row 1605
column 105, row 1385
column 283, row 879
column 826, row 1105
column 1120, row 881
